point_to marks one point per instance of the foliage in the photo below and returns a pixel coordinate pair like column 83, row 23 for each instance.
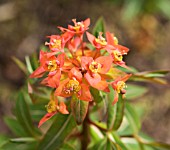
column 109, row 121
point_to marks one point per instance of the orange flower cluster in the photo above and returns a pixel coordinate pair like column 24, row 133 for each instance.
column 71, row 67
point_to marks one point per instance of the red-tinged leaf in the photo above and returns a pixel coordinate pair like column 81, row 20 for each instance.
column 116, row 96
column 79, row 109
column 46, row 117
column 57, row 133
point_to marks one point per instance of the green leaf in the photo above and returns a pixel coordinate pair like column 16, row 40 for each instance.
column 95, row 134
column 79, row 109
column 96, row 95
column 23, row 139
column 111, row 110
column 155, row 73
column 163, row 146
column 14, row 126
column 3, row 140
column 18, row 146
column 99, row 27
column 119, row 113
column 133, row 118
column 28, row 63
column 149, row 79
column 131, row 144
column 23, row 115
column 67, row 146
column 135, row 91
column 118, row 141
column 151, row 76
column 105, row 144
column 20, row 64
column 99, row 145
column 39, row 95
column 57, row 133
column 34, row 61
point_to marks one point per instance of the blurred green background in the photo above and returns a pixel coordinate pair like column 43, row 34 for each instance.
column 141, row 25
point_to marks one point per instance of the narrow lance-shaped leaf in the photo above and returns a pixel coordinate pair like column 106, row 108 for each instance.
column 135, row 91
column 162, row 146
column 111, row 110
column 99, row 27
column 57, row 133
column 67, row 146
column 99, row 145
column 23, row 115
column 119, row 113
column 96, row 95
column 20, row 64
column 14, row 126
column 132, row 118
column 28, row 63
column 118, row 140
column 23, row 139
column 79, row 109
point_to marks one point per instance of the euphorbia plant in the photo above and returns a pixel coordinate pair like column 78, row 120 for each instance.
column 74, row 71
column 82, row 85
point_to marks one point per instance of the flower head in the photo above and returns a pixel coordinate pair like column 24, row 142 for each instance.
column 94, row 69
column 51, row 64
column 119, row 87
column 52, row 108
column 79, row 27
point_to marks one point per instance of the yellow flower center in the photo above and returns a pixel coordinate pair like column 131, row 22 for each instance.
column 117, row 56
column 51, row 106
column 56, row 43
column 72, row 86
column 52, row 65
column 95, row 67
column 115, row 40
column 77, row 26
column 120, row 86
column 101, row 41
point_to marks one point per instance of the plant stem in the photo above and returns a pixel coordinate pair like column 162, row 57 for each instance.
column 85, row 134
